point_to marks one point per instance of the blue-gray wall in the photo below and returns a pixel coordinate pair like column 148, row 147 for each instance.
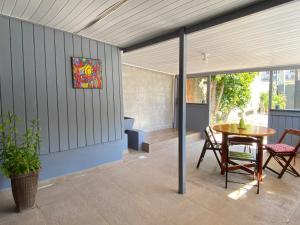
column 197, row 117
column 282, row 119
column 80, row 128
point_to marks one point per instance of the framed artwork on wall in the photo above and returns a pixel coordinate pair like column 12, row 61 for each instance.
column 87, row 73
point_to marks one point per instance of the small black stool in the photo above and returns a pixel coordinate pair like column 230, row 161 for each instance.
column 135, row 139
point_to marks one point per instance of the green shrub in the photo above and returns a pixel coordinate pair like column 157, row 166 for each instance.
column 278, row 100
column 264, row 102
column 19, row 154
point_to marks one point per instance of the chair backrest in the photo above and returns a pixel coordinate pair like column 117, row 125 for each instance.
column 291, row 132
column 210, row 135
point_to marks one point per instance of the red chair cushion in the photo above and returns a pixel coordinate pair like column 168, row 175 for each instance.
column 280, row 148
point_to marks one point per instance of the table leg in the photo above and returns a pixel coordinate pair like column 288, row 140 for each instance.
column 224, row 152
column 260, row 158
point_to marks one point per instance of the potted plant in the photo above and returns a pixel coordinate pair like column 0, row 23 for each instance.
column 19, row 159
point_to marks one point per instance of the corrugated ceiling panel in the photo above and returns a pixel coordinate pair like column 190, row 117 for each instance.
column 8, row 6
column 55, row 8
column 89, row 14
column 141, row 23
column 263, row 39
column 31, row 8
column 135, row 20
column 42, row 10
column 189, row 16
column 19, row 8
column 71, row 9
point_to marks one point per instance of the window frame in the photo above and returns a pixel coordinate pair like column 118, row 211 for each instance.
column 203, row 76
column 272, row 73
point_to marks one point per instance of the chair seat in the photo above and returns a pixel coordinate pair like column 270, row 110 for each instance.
column 241, row 156
column 280, row 148
column 283, row 154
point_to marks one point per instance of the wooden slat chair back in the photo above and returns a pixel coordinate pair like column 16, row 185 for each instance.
column 210, row 144
column 245, row 141
column 293, row 132
column 209, row 133
column 283, row 153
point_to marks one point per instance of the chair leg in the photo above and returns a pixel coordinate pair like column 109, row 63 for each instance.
column 247, row 148
column 202, row 154
column 286, row 166
column 226, row 171
column 217, row 157
column 294, row 170
column 257, row 178
column 268, row 160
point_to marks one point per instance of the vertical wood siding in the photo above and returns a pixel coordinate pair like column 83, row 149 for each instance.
column 41, row 85
column 80, row 109
column 280, row 120
column 88, row 99
column 96, row 98
column 110, row 92
column 103, row 95
column 36, row 82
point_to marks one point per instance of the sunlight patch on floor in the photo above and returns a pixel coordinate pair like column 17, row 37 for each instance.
column 237, row 194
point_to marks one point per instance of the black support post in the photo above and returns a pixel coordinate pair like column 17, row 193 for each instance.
column 182, row 113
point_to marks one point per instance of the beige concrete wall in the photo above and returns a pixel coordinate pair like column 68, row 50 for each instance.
column 148, row 97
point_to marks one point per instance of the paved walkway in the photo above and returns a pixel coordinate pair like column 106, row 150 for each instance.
column 142, row 189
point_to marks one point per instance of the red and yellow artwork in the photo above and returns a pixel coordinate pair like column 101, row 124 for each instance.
column 86, row 73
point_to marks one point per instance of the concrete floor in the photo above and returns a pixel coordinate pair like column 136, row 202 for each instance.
column 142, row 189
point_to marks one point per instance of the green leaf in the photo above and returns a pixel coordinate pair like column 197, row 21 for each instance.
column 18, row 153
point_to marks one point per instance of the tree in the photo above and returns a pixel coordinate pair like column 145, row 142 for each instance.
column 278, row 100
column 228, row 92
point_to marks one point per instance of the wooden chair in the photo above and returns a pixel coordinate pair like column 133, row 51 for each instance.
column 241, row 160
column 283, row 154
column 210, row 144
column 247, row 142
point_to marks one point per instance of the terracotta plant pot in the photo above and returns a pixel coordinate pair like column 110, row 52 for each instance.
column 24, row 189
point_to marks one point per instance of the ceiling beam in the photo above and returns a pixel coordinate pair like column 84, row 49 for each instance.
column 204, row 24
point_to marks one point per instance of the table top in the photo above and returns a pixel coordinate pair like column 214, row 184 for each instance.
column 250, row 130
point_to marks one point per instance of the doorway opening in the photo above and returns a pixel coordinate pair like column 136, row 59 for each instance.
column 236, row 95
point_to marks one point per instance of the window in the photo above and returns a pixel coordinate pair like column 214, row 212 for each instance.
column 196, row 90
column 286, row 89
column 265, row 76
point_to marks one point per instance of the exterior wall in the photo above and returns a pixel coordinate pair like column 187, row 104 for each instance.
column 36, row 82
column 282, row 119
column 148, row 98
column 197, row 117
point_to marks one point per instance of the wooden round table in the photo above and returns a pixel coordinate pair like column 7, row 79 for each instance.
column 250, row 131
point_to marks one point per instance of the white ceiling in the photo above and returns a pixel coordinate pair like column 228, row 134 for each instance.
column 268, row 38
column 134, row 21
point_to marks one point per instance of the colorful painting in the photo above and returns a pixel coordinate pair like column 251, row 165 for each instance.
column 86, row 73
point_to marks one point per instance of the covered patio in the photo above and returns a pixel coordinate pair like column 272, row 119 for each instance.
column 88, row 174
column 142, row 189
